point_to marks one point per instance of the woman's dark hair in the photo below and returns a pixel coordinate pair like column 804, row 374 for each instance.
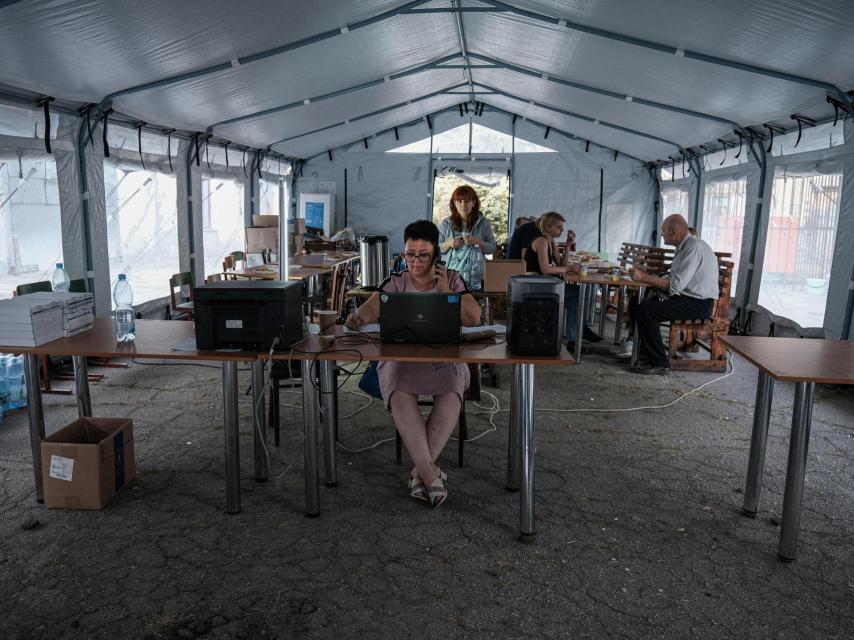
column 464, row 192
column 423, row 230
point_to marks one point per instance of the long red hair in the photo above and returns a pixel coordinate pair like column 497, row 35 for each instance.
column 465, row 192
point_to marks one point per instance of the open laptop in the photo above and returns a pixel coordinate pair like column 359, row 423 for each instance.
column 432, row 318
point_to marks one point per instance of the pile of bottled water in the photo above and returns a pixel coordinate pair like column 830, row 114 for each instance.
column 13, row 388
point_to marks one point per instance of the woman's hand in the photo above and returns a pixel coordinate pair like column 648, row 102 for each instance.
column 473, row 240
column 458, row 242
column 354, row 321
column 442, row 278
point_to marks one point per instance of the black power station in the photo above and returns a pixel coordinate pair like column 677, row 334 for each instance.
column 534, row 315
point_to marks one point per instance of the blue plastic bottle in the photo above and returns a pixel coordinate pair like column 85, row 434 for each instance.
column 4, row 389
column 123, row 297
column 60, row 279
column 15, row 385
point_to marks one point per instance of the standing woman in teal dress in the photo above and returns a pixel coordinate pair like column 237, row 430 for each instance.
column 466, row 236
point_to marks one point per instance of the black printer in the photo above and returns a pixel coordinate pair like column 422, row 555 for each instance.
column 248, row 315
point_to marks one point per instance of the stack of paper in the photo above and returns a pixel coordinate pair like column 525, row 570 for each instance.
column 78, row 309
column 29, row 322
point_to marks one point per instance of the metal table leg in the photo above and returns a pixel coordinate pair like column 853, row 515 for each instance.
column 579, row 320
column 35, row 413
column 259, row 426
column 603, row 309
column 527, row 523
column 330, row 420
column 618, row 323
column 310, row 418
column 795, row 470
column 758, row 440
column 81, row 386
column 635, row 334
column 232, row 444
column 591, row 303
column 514, row 441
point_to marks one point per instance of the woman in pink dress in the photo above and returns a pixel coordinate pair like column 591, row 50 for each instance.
column 402, row 382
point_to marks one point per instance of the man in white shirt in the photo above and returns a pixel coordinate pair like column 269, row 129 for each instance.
column 691, row 290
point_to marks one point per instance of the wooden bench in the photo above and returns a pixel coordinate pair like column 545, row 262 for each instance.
column 689, row 335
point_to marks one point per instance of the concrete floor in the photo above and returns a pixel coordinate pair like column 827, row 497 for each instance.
column 638, row 513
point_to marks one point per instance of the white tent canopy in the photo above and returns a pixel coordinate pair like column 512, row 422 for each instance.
column 618, row 88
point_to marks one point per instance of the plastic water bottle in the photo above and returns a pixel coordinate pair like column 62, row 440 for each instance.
column 16, row 386
column 123, row 297
column 60, row 279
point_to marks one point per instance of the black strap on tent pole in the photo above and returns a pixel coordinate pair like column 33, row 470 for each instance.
column 396, row 135
column 225, row 147
column 740, row 144
column 104, row 123
column 345, row 196
column 838, row 106
column 243, row 163
column 365, row 140
column 429, row 126
column 726, row 145
column 601, row 206
column 461, row 109
column 329, row 153
column 772, row 129
column 616, row 154
column 45, row 104
column 196, row 149
column 86, row 113
column 139, row 127
column 587, row 146
column 801, row 120
column 465, row 106
column 169, row 133
column 548, row 131
column 261, row 155
column 207, row 156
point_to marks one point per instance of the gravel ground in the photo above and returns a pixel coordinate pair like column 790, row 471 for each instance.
column 638, row 513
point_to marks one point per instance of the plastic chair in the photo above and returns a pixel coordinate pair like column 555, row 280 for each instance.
column 176, row 282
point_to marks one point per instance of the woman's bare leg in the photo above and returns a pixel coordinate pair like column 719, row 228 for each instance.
column 440, row 425
column 413, row 431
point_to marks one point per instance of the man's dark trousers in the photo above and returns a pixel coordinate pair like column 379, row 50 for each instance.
column 653, row 310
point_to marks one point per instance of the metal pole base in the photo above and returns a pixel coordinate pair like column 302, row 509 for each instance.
column 527, row 538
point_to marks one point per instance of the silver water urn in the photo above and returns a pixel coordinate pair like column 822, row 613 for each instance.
column 373, row 251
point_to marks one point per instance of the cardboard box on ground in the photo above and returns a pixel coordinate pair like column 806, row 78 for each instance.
column 87, row 462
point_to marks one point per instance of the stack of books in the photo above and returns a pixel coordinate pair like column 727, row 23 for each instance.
column 78, row 309
column 26, row 321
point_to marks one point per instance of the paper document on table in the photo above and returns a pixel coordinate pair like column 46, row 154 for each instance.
column 499, row 329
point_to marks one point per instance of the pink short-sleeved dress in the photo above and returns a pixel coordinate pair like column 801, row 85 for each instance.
column 421, row 378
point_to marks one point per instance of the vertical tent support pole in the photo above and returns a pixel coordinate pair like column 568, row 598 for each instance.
column 188, row 163
column 84, row 199
column 761, row 160
column 601, row 204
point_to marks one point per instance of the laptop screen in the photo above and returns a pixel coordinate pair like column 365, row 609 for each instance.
column 420, row 317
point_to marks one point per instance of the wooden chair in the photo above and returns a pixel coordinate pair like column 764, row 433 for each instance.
column 238, row 256
column 176, row 282
column 688, row 335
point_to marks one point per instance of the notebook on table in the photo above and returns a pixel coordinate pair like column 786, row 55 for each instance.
column 431, row 318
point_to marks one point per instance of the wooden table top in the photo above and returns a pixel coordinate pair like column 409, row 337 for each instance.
column 603, row 278
column 798, row 359
column 267, row 272
column 154, row 339
column 355, row 347
column 326, row 259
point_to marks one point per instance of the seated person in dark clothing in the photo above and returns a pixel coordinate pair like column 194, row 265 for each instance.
column 690, row 291
column 522, row 238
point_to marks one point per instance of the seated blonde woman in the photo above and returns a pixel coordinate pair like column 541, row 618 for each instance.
column 402, row 382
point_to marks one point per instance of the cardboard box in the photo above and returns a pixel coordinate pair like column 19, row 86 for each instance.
column 265, row 221
column 296, row 225
column 297, row 243
column 259, row 238
column 496, row 273
column 88, row 462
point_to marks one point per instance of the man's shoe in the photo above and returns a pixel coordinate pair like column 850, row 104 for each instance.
column 651, row 370
column 623, row 351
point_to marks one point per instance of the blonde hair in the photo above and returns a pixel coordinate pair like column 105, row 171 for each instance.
column 550, row 219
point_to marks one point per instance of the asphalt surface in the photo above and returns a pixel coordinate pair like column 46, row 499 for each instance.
column 640, row 532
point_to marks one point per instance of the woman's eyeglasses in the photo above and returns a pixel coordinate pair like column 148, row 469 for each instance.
column 410, row 256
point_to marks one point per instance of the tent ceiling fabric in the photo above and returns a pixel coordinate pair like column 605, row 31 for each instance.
column 84, row 50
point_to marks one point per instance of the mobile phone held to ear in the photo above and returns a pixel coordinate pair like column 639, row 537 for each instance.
column 440, row 262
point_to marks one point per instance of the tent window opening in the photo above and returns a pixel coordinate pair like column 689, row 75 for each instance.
column 269, row 202
column 493, row 191
column 799, row 246
column 222, row 213
column 723, row 217
column 482, row 139
column 142, row 228
column 30, row 225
